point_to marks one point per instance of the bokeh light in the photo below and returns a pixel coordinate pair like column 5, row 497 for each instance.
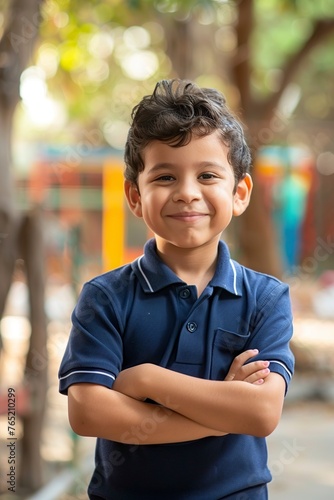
column 40, row 107
column 140, row 65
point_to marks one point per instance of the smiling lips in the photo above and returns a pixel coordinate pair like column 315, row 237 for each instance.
column 187, row 216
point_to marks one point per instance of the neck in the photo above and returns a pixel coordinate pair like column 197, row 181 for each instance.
column 195, row 266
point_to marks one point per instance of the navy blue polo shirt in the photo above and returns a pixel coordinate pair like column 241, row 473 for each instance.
column 143, row 313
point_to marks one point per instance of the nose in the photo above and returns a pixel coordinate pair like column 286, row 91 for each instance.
column 187, row 190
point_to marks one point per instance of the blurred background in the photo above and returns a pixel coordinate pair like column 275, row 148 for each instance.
column 70, row 73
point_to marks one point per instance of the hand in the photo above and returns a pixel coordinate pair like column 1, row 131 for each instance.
column 253, row 373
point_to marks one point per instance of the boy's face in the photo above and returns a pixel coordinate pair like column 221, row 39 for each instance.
column 187, row 195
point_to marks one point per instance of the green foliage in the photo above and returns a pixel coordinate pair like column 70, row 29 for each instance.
column 91, row 50
column 282, row 28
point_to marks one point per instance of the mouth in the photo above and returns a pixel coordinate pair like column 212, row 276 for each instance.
column 187, row 216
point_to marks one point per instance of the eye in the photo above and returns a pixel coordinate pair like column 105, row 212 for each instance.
column 208, row 176
column 164, row 178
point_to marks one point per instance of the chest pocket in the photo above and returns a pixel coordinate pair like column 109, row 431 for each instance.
column 226, row 346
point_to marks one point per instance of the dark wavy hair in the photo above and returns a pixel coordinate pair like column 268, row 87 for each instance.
column 177, row 110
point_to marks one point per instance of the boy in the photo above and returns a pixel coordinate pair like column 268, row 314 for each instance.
column 167, row 362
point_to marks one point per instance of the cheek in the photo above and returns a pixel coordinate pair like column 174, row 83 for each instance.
column 220, row 199
column 150, row 205
column 155, row 199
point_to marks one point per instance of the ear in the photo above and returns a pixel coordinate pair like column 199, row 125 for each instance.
column 242, row 195
column 133, row 198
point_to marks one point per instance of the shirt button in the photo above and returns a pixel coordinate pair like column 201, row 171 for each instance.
column 185, row 293
column 191, row 326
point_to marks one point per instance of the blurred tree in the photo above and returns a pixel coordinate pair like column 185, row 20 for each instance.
column 106, row 55
column 20, row 234
column 268, row 114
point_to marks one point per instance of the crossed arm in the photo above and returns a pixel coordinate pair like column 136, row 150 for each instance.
column 248, row 401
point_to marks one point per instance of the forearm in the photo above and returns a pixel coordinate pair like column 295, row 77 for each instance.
column 233, row 407
column 100, row 412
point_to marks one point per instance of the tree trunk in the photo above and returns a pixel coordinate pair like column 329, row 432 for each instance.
column 257, row 236
column 22, row 233
column 16, row 47
column 8, row 253
column 9, row 220
column 180, row 47
column 32, row 250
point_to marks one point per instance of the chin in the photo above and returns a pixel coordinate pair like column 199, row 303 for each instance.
column 189, row 245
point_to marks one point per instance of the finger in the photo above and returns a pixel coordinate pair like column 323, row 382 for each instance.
column 255, row 377
column 238, row 363
column 245, row 371
column 242, row 358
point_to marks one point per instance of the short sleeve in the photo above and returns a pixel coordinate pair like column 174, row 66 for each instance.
column 94, row 352
column 272, row 331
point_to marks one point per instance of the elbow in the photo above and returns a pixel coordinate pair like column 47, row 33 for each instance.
column 264, row 429
column 77, row 426
column 266, row 422
column 79, row 415
column 77, row 422
column 267, row 405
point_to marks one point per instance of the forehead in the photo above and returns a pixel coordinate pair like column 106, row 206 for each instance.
column 200, row 148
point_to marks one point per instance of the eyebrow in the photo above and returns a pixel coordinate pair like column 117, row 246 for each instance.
column 205, row 164
column 161, row 166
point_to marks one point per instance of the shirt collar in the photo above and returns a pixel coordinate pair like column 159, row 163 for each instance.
column 227, row 273
column 153, row 274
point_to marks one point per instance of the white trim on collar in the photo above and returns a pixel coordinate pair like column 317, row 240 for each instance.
column 143, row 274
column 234, row 278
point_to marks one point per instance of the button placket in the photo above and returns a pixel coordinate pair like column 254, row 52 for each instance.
column 191, row 343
